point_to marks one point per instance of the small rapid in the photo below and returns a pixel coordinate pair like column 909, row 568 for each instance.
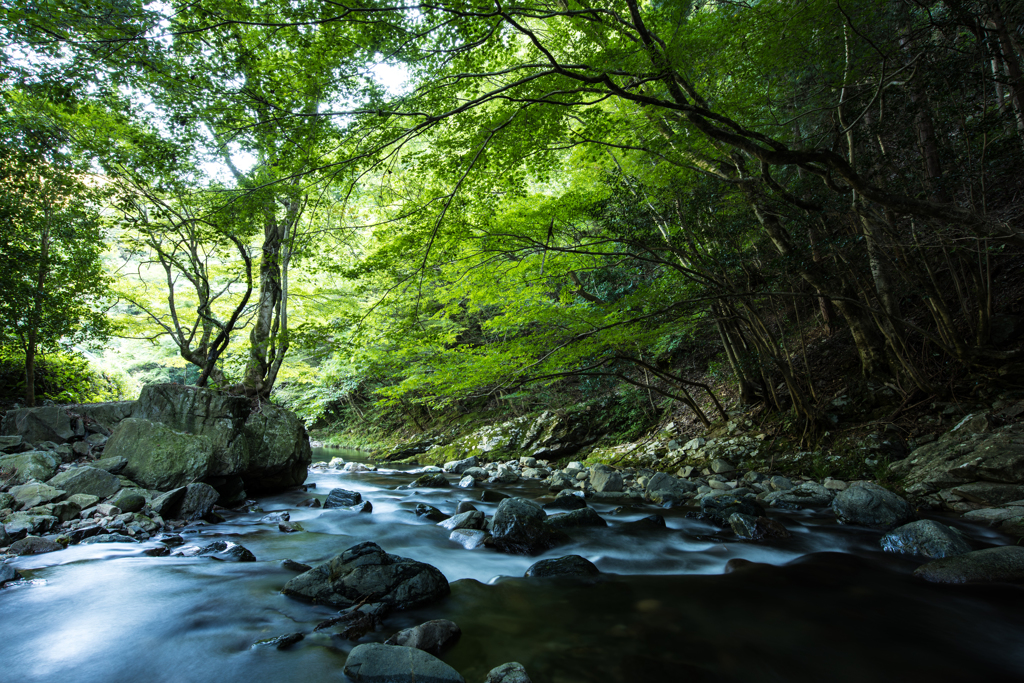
column 681, row 603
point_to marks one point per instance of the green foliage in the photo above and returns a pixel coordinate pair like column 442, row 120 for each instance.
column 62, row 378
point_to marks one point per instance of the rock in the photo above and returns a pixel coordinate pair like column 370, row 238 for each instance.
column 431, row 481
column 129, row 500
column 158, row 456
column 6, row 501
column 519, row 528
column 33, row 494
column 108, row 538
column 927, row 538
column 112, row 465
column 309, row 503
column 491, row 496
column 478, row 473
column 570, row 565
column 167, row 504
column 48, row 423
column 651, row 523
column 34, row 545
column 469, row 538
column 992, row 516
column 9, row 444
column 721, row 466
column 989, row 493
column 1004, row 564
column 342, row 498
column 718, row 509
column 510, row 672
column 279, row 452
column 868, row 504
column 464, row 506
column 430, row 512
column 664, row 489
column 275, row 517
column 89, row 480
column 197, row 502
column 585, row 517
column 504, row 475
column 8, row 574
column 353, row 467
column 473, row 519
column 38, row 465
column 432, row 636
column 22, row 523
column 605, row 479
column 280, row 642
column 467, row 482
column 84, row 500
column 226, row 551
column 778, row 483
column 566, row 503
column 378, row 663
column 293, row 566
column 336, row 463
column 364, row 572
column 460, row 466
column 66, row 510
column 810, row 494
column 757, row 528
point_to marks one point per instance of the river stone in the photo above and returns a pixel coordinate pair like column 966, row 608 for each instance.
column 6, row 501
column 469, row 538
column 38, row 465
column 66, row 510
column 718, row 509
column 663, row 488
column 108, row 538
column 355, row 467
column 198, row 501
column 868, row 504
column 645, row 524
column 8, row 573
column 605, row 479
column 279, row 452
column 1004, row 564
column 474, row 519
column 9, row 444
column 567, row 503
column 722, row 466
column 293, row 566
column 585, row 517
column 510, row 672
column 432, row 636
column 756, row 528
column 226, row 551
column 83, row 532
column 989, row 493
column 129, row 500
column 167, row 504
column 22, row 523
column 34, row 545
column 275, row 517
column 365, row 572
column 780, row 483
column 518, row 527
column 570, row 565
column 467, row 482
column 431, row 481
column 160, row 457
column 280, row 642
column 113, row 465
column 378, row 663
column 927, row 538
column 460, row 466
column 5, row 539
column 810, row 494
column 48, row 423
column 35, row 493
column 430, row 512
column 492, row 496
column 342, row 498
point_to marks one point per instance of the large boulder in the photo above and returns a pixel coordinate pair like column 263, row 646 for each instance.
column 570, row 565
column 365, row 572
column 279, row 452
column 21, row 468
column 519, row 527
column 927, row 538
column 48, row 423
column 32, row 494
column 868, row 504
column 605, row 479
column 158, row 456
column 379, row 663
column 88, row 480
column 105, row 415
column 1005, row 563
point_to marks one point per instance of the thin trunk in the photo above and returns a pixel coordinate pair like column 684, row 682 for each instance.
column 36, row 321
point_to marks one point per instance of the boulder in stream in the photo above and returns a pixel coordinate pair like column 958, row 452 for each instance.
column 569, row 565
column 519, row 527
column 34, row 545
column 432, row 636
column 342, row 498
column 431, row 480
column 378, row 663
column 927, row 538
column 1002, row 564
column 510, row 672
column 8, row 573
column 365, row 572
column 868, row 504
column 585, row 517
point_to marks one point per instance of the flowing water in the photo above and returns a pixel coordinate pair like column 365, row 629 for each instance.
column 671, row 605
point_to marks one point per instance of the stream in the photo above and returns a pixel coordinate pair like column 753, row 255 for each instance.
column 677, row 604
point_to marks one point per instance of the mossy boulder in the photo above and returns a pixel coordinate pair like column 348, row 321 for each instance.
column 160, row 457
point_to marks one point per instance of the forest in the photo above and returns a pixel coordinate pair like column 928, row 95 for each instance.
column 391, row 214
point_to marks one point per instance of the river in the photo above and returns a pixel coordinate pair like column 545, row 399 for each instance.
column 679, row 604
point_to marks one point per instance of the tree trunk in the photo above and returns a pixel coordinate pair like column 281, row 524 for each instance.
column 36, row 316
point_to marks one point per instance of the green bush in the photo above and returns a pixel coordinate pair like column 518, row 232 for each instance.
column 61, row 377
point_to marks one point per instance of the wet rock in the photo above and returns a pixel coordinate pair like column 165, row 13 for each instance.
column 757, row 528
column 510, row 672
column 289, row 528
column 570, row 565
column 810, row 494
column 34, row 493
column 34, row 545
column 8, row 574
column 197, row 502
column 293, row 566
column 21, row 523
column 1004, row 564
column 473, row 519
column 718, row 509
column 605, row 479
column 491, row 496
column 431, row 481
column 460, row 466
column 38, row 465
column 129, row 500
column 504, row 475
column 464, row 506
column 353, row 467
column 83, row 500
column 566, row 503
column 226, row 551
column 868, row 504
column 430, row 512
column 651, row 523
column 89, row 480
column 358, row 620
column 66, row 510
column 469, row 538
column 664, row 489
column 281, row 642
column 467, row 482
column 5, row 539
column 365, row 507
column 113, row 465
column 585, row 517
column 432, row 636
column 378, row 663
column 366, row 572
column 83, row 532
column 108, row 538
column 342, row 498
column 989, row 493
column 167, row 504
column 158, row 551
column 275, row 517
column 927, row 538
column 993, row 516
column 519, row 528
